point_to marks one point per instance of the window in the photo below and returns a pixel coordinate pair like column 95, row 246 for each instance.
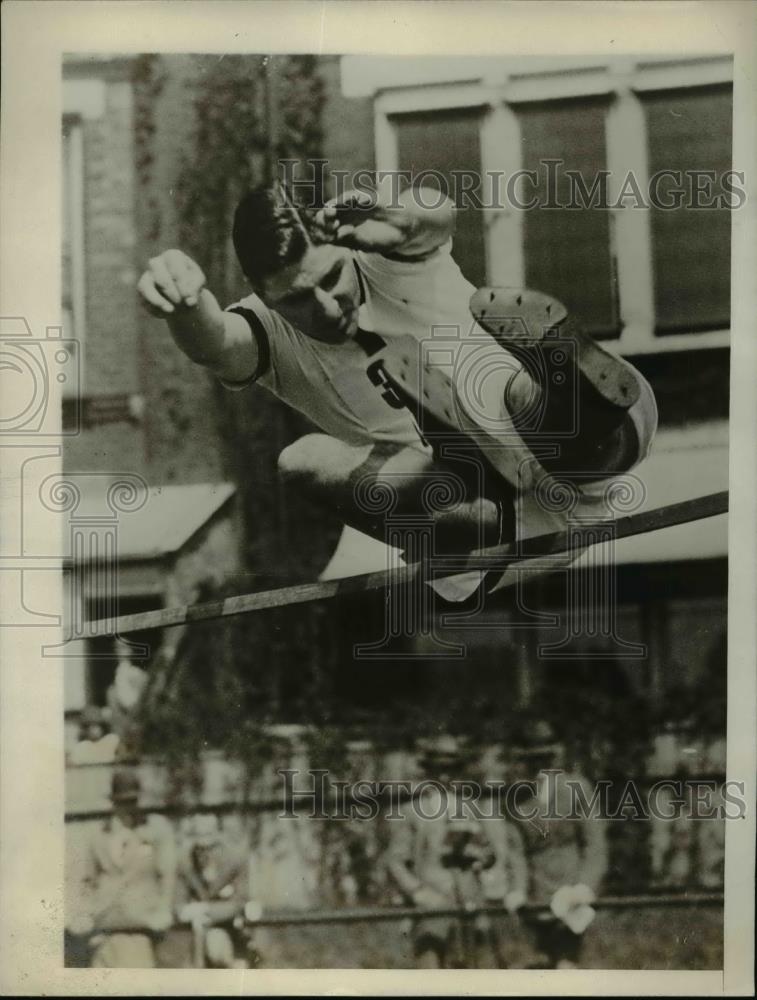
column 567, row 252
column 690, row 130
column 444, row 141
column 72, row 216
column 651, row 279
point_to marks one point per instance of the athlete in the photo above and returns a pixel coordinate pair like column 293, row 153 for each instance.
column 338, row 304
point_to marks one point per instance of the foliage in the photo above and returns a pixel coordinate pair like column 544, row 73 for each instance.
column 148, row 79
column 250, row 112
column 227, row 682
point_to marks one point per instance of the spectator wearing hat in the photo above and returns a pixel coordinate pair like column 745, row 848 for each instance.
column 439, row 853
column 566, row 857
column 129, row 881
column 213, row 893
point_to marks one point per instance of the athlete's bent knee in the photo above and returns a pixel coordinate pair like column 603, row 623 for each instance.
column 320, row 459
column 298, row 459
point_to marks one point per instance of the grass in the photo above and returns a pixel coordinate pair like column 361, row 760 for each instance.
column 679, row 939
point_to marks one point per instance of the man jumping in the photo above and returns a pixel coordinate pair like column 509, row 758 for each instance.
column 337, row 306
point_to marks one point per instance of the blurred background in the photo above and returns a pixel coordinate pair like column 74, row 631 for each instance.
column 156, row 152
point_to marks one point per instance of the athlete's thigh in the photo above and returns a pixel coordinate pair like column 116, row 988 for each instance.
column 322, row 458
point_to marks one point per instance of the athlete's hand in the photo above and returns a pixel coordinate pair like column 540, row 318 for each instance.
column 342, row 212
column 172, row 279
column 356, row 220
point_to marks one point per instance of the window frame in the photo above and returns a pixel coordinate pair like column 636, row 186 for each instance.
column 73, row 195
column 83, row 99
column 622, row 80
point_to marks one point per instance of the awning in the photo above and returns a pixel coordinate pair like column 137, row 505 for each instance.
column 161, row 524
column 170, row 517
column 684, row 464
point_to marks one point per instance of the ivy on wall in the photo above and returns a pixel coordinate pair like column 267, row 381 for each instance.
column 148, row 76
column 250, row 112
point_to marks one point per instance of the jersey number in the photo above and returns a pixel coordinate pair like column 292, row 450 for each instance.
column 378, row 376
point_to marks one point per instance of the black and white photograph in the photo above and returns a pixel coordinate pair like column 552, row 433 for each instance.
column 389, row 466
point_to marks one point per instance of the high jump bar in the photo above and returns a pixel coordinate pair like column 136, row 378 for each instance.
column 530, row 551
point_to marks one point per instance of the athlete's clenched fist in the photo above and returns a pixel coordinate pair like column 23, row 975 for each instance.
column 171, row 279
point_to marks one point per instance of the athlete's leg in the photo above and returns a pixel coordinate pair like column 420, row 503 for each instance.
column 606, row 439
column 344, row 477
column 571, row 381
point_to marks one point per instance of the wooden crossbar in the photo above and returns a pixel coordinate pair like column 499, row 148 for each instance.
column 532, row 550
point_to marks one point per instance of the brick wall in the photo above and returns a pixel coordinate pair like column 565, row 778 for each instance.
column 111, row 357
column 110, row 361
column 126, row 352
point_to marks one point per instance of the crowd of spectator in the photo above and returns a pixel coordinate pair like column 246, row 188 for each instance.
column 143, row 877
column 140, row 879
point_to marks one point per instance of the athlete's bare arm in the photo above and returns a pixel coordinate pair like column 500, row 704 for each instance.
column 414, row 224
column 173, row 288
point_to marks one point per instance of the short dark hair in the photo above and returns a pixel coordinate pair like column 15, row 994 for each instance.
column 266, row 233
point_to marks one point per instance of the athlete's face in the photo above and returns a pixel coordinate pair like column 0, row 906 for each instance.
column 319, row 294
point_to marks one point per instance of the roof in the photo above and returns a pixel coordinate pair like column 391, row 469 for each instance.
column 364, row 75
column 166, row 521
column 684, row 464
